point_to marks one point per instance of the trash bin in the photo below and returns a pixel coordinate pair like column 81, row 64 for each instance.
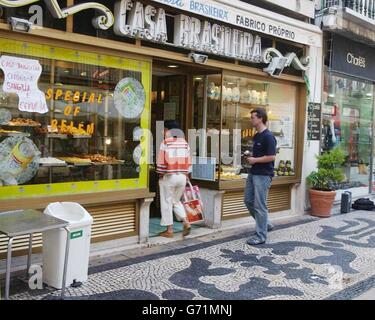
column 54, row 245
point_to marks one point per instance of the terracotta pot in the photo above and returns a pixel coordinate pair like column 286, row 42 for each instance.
column 321, row 202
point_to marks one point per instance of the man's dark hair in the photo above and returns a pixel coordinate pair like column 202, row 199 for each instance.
column 261, row 114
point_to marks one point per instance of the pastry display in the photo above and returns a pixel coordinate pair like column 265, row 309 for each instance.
column 23, row 122
column 100, row 158
column 12, row 133
column 75, row 160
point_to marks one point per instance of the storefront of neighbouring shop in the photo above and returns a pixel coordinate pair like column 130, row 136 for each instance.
column 347, row 114
column 81, row 95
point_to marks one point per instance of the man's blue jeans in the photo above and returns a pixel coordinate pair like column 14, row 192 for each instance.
column 256, row 193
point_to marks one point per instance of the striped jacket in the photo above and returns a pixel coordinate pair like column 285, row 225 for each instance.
column 174, row 156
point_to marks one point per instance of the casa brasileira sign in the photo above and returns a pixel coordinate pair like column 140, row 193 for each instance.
column 240, row 15
column 138, row 20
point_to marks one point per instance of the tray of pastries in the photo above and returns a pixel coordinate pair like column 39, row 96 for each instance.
column 22, row 122
column 76, row 161
column 98, row 159
column 12, row 133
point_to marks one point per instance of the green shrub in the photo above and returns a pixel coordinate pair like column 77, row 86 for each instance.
column 329, row 171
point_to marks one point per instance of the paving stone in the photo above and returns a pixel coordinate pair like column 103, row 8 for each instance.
column 307, row 259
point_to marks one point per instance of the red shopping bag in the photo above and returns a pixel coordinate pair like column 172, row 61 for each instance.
column 192, row 203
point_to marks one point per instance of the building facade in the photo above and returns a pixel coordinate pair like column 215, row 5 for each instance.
column 86, row 88
column 348, row 90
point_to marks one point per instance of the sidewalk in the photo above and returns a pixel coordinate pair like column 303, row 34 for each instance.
column 306, row 258
column 107, row 251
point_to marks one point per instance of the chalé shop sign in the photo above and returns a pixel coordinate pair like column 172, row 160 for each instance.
column 135, row 19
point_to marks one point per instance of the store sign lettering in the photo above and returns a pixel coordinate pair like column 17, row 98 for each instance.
column 209, row 10
column 357, row 61
column 135, row 20
column 103, row 22
column 191, row 33
column 75, row 96
column 64, row 126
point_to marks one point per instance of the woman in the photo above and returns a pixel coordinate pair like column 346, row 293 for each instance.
column 173, row 167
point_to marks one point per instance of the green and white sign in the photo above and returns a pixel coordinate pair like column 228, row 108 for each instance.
column 130, row 98
column 76, row 234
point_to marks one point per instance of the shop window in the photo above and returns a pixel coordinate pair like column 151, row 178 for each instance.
column 222, row 114
column 347, row 124
column 88, row 139
column 240, row 96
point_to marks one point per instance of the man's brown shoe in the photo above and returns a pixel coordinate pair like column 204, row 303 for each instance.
column 166, row 234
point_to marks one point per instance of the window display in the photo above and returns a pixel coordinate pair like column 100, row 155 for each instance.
column 241, row 95
column 79, row 129
column 347, row 124
column 207, row 116
column 231, row 123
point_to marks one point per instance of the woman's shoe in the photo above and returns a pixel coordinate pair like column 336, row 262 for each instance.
column 166, row 234
column 186, row 231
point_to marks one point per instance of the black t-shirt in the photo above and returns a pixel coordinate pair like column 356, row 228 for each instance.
column 264, row 145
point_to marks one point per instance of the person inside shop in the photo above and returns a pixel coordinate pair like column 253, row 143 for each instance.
column 173, row 166
column 260, row 176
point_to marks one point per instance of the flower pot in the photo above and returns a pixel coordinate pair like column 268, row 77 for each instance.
column 321, row 202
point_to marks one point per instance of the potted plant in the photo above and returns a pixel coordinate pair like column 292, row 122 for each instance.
column 322, row 182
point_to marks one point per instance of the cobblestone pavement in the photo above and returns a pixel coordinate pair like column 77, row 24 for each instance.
column 310, row 259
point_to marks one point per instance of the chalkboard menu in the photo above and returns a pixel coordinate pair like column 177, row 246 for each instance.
column 314, row 121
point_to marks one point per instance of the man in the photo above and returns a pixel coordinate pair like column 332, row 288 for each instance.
column 260, row 176
column 173, row 167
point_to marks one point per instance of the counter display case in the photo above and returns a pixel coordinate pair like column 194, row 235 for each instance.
column 223, row 105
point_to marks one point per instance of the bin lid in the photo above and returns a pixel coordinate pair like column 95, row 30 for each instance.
column 72, row 212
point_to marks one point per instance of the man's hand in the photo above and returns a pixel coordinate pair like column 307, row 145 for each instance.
column 251, row 160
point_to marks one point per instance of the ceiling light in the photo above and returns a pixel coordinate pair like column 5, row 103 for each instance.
column 198, row 78
column 172, row 66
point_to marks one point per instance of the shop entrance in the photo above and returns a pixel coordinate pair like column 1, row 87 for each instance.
column 171, row 99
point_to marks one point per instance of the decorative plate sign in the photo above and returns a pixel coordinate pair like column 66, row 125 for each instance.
column 21, row 77
column 19, row 160
column 130, row 98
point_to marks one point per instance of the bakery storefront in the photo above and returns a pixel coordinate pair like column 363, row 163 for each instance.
column 83, row 97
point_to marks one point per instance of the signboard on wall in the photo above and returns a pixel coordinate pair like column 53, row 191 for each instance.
column 240, row 15
column 314, row 121
column 353, row 58
column 204, row 168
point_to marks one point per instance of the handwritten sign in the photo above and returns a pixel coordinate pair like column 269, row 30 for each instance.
column 314, row 121
column 21, row 77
